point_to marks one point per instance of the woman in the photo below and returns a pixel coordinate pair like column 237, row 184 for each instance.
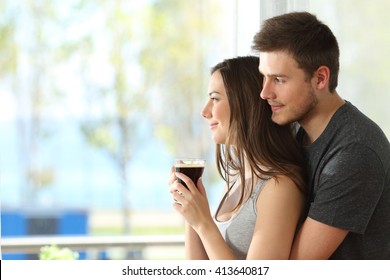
column 262, row 166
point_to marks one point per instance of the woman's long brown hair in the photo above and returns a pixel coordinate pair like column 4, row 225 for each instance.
column 269, row 149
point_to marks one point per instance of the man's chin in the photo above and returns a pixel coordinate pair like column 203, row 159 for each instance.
column 278, row 120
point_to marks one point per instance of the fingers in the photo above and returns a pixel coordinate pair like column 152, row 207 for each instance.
column 172, row 176
column 172, row 181
column 178, row 199
column 176, row 189
column 180, row 190
column 177, row 206
column 176, row 186
column 182, row 195
column 201, row 187
column 186, row 180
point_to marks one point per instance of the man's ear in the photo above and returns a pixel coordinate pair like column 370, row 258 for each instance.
column 322, row 76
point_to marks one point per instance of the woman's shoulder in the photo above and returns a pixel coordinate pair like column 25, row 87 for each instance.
column 281, row 181
column 280, row 197
column 281, row 187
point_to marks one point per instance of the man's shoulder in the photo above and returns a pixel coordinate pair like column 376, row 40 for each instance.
column 350, row 124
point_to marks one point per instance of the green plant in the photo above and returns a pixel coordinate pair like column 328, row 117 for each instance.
column 53, row 252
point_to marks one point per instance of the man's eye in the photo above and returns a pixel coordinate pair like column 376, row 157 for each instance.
column 279, row 80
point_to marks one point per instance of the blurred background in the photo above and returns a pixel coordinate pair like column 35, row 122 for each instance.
column 97, row 97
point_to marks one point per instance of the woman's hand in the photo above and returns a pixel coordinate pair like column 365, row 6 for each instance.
column 191, row 203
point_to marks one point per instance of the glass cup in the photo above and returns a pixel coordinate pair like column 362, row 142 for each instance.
column 192, row 167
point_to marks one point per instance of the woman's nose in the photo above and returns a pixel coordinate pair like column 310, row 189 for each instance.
column 206, row 112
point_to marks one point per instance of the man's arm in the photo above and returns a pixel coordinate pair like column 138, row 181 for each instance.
column 316, row 241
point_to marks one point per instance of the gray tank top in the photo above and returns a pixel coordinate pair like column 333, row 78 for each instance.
column 238, row 231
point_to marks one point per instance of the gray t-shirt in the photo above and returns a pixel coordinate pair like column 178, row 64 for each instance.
column 238, row 231
column 348, row 169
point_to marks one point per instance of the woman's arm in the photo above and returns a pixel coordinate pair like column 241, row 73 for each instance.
column 194, row 249
column 279, row 208
column 192, row 204
column 193, row 245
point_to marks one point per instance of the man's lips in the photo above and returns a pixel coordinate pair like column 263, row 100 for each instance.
column 275, row 107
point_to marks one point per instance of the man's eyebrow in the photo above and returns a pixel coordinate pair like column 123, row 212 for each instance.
column 272, row 75
column 276, row 75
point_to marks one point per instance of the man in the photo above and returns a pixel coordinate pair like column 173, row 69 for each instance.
column 348, row 155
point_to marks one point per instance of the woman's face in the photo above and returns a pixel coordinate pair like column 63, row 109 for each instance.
column 217, row 110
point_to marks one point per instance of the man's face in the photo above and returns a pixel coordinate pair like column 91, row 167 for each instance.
column 286, row 88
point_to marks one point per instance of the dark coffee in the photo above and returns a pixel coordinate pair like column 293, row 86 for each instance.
column 192, row 171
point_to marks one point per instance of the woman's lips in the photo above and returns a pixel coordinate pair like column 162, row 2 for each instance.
column 213, row 125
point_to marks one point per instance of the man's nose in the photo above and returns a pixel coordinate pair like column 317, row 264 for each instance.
column 266, row 92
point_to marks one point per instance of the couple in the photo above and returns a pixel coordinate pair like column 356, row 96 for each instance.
column 307, row 174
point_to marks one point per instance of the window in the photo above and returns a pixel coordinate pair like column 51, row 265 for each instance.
column 98, row 97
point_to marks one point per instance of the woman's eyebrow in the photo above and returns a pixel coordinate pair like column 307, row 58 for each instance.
column 210, row 93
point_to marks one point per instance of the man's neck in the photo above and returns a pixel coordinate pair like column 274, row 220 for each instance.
column 317, row 120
